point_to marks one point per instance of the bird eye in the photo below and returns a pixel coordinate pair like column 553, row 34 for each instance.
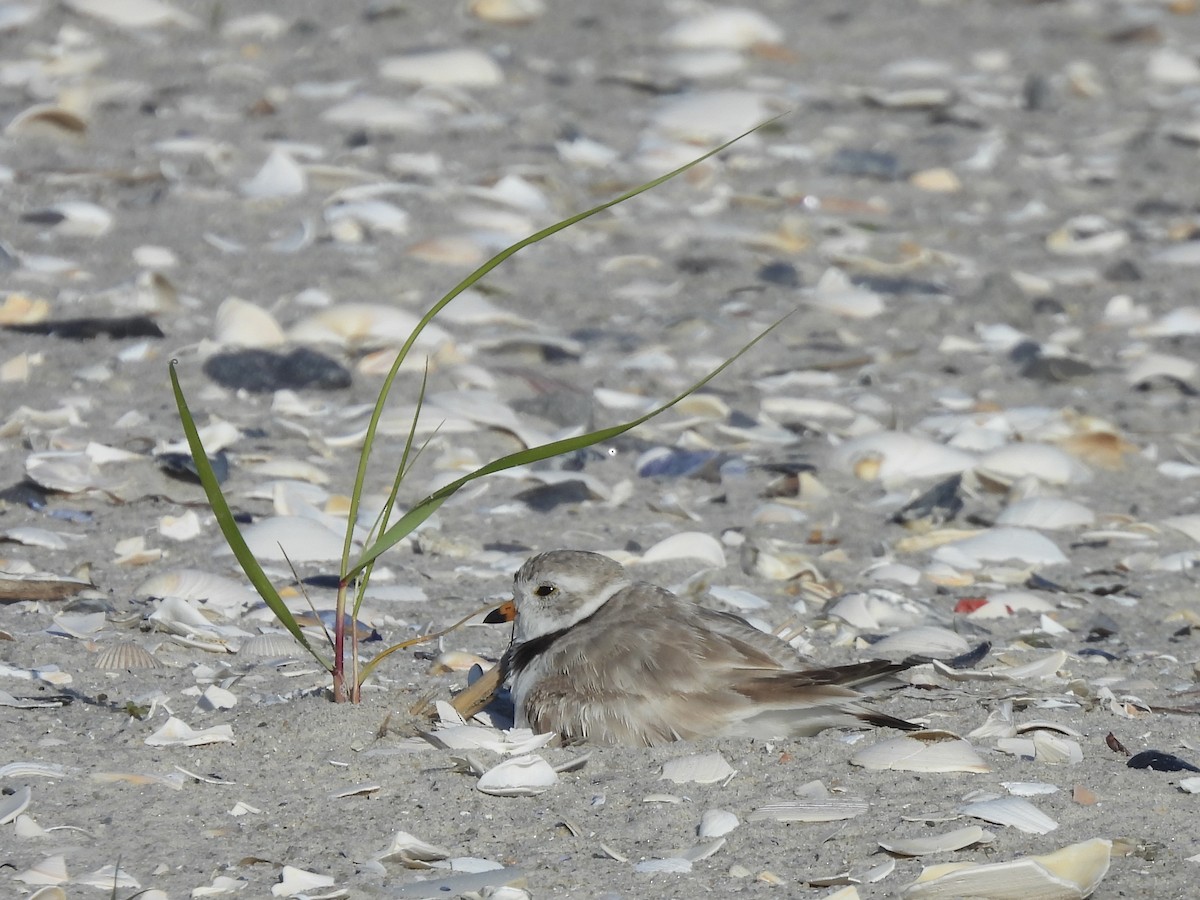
column 544, row 590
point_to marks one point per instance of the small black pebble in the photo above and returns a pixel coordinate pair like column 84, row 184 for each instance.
column 261, row 371
column 781, row 273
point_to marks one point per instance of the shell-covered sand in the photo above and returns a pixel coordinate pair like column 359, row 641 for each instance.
column 986, row 219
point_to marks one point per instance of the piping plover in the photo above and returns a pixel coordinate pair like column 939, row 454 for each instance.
column 598, row 656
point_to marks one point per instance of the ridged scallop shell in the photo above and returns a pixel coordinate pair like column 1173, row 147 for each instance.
column 270, row 646
column 126, row 655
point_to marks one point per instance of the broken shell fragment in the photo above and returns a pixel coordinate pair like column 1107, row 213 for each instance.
column 922, row 751
column 522, row 776
column 716, row 823
column 1071, row 873
column 1014, row 811
column 176, row 731
column 938, row 843
column 701, row 768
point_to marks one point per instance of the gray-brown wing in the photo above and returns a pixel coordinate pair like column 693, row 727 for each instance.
column 649, row 669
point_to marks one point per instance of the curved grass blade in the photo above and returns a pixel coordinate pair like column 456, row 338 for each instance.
column 361, row 474
column 412, row 642
column 229, row 528
column 427, row 507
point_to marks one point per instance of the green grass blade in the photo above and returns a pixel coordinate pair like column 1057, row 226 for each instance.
column 229, row 528
column 377, row 413
column 427, row 507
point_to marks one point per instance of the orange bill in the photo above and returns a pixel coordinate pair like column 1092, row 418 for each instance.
column 505, row 612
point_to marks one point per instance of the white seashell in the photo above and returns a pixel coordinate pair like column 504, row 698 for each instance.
column 1188, row 525
column 225, row 595
column 897, row 572
column 54, row 892
column 716, row 823
column 133, row 13
column 180, row 528
column 1047, row 513
column 1071, row 873
column 23, row 769
column 358, row 325
column 710, row 116
column 242, row 324
column 180, row 617
column 126, row 655
column 77, row 625
column 75, row 218
column 701, row 768
column 1014, row 811
column 1190, row 785
column 923, row 640
column 1029, row 788
column 514, row 742
column 70, row 473
column 376, row 216
column 31, row 536
column 461, row 67
column 895, row 457
column 687, row 545
column 294, row 538
column 297, row 882
column 12, row 805
column 1086, row 236
column 948, row 842
column 521, row 776
column 833, row 809
column 112, row 877
column 1170, row 66
column 379, row 114
column 738, row 598
column 835, row 293
column 1007, row 603
column 409, row 850
column 1179, row 322
column 215, row 697
column 673, row 864
column 1001, row 545
column 176, row 731
column 270, row 646
column 923, row 751
column 1162, row 365
column 280, row 176
column 508, row 12
column 1056, row 750
column 51, row 870
column 729, row 28
column 1044, row 462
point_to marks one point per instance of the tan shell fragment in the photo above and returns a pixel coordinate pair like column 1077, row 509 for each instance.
column 922, row 751
column 1071, row 873
column 508, row 12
